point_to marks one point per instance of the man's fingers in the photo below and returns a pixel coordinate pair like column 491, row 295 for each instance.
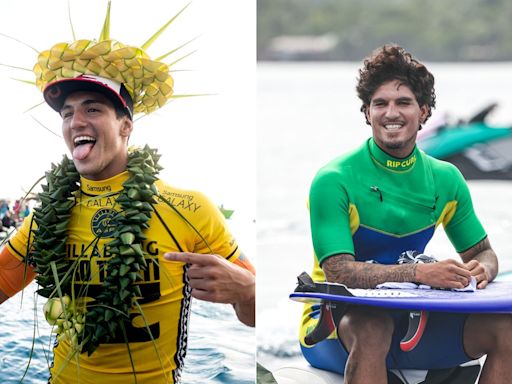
column 454, row 262
column 201, row 283
column 478, row 270
column 191, row 258
column 461, row 277
column 456, row 269
column 463, row 281
column 481, row 279
column 197, row 272
column 205, row 295
column 462, row 271
column 206, row 289
column 199, row 294
column 472, row 264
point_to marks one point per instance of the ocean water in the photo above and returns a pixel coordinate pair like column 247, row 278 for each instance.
column 220, row 348
column 308, row 113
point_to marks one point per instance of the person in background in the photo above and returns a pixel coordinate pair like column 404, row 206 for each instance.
column 8, row 221
column 16, row 209
column 24, row 211
column 4, row 208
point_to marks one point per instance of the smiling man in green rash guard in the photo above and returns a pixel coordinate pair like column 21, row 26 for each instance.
column 385, row 198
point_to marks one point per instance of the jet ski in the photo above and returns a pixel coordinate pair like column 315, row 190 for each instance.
column 479, row 150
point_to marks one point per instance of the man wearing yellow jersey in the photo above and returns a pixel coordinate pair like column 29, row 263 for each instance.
column 188, row 250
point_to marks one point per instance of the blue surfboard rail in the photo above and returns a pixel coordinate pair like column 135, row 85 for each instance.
column 495, row 298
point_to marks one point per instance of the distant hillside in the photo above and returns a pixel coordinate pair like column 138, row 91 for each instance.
column 433, row 30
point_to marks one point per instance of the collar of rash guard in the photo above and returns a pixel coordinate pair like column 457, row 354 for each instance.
column 389, row 162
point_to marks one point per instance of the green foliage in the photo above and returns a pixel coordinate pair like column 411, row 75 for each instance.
column 433, row 30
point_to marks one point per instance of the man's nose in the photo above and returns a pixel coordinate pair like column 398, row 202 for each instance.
column 77, row 121
column 391, row 111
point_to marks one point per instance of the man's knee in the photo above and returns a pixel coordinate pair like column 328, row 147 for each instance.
column 488, row 333
column 370, row 327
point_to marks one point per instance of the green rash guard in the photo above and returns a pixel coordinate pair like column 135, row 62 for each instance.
column 373, row 206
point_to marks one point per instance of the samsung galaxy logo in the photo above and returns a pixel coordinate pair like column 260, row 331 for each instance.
column 94, row 188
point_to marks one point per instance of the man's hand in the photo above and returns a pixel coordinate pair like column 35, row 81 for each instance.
column 480, row 272
column 444, row 274
column 213, row 278
column 481, row 260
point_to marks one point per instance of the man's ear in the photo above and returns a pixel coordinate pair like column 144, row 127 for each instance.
column 424, row 109
column 126, row 127
column 367, row 115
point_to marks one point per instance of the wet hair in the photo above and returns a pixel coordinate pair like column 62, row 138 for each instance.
column 392, row 62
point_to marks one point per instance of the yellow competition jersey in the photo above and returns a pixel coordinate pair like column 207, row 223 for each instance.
column 165, row 289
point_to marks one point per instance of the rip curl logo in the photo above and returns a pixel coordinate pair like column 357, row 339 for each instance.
column 401, row 164
column 102, row 223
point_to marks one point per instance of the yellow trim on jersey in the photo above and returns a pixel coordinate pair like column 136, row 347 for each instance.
column 353, row 215
column 447, row 213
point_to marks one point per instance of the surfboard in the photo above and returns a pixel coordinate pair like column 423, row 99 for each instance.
column 495, row 298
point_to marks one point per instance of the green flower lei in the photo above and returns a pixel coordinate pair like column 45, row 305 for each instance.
column 104, row 320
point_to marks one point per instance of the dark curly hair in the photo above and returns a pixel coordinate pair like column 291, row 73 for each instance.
column 392, row 62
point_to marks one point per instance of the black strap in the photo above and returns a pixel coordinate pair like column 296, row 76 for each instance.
column 306, row 284
column 331, row 312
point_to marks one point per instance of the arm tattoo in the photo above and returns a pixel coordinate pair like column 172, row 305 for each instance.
column 343, row 269
column 483, row 253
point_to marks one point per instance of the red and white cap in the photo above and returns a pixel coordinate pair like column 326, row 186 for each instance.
column 55, row 93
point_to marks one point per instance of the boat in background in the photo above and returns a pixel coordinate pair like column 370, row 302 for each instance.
column 479, row 150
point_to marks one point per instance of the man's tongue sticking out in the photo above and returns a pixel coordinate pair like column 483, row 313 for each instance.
column 81, row 151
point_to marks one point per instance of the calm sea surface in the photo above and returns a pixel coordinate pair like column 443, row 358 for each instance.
column 307, row 115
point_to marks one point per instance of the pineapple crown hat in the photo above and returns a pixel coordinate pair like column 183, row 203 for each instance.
column 126, row 75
